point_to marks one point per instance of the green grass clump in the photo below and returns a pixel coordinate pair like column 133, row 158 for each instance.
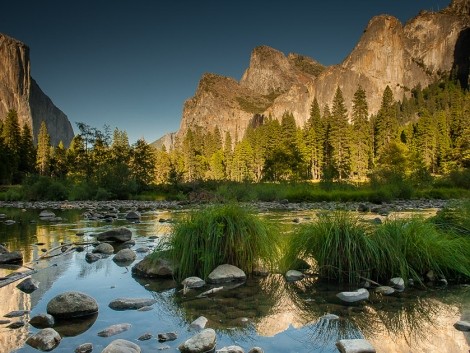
column 340, row 244
column 348, row 250
column 415, row 246
column 218, row 235
column 454, row 218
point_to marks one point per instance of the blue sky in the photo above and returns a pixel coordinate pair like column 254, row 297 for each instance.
column 132, row 64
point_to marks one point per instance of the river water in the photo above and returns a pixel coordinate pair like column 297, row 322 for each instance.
column 265, row 311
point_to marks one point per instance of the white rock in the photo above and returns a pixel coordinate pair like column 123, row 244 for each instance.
column 121, row 346
column 294, row 275
column 351, row 297
column 226, row 273
column 202, row 342
column 355, row 346
column 199, row 323
column 45, row 340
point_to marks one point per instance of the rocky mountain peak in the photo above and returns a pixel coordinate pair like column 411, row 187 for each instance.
column 461, row 7
column 269, row 71
column 18, row 91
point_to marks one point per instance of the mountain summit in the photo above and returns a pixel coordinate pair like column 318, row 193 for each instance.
column 388, row 54
column 20, row 92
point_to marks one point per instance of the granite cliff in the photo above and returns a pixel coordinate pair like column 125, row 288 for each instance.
column 20, row 92
column 388, row 53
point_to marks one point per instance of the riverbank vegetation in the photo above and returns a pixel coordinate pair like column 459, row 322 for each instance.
column 416, row 147
column 218, row 235
column 336, row 246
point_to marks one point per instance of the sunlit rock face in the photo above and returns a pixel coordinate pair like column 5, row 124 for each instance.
column 13, row 299
column 388, row 53
column 20, row 92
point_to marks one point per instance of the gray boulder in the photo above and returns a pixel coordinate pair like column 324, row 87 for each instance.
column 131, row 303
column 121, row 346
column 29, row 285
column 167, row 336
column 294, row 275
column 114, row 330
column 124, row 255
column 13, row 257
column 226, row 273
column 256, row 350
column 385, row 290
column 71, row 305
column 351, row 297
column 118, row 234
column 46, row 215
column 42, row 321
column 150, row 267
column 45, row 340
column 93, row 257
column 133, row 215
column 104, row 248
column 397, row 283
column 462, row 326
column 203, row 341
column 199, row 323
column 84, row 348
column 355, row 346
column 193, row 282
column 231, row 349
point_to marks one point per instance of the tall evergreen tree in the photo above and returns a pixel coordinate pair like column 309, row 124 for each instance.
column 43, row 158
column 339, row 137
column 142, row 164
column 361, row 146
column 27, row 159
column 386, row 124
column 11, row 135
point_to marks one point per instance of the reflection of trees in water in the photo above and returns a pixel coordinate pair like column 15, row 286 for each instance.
column 410, row 316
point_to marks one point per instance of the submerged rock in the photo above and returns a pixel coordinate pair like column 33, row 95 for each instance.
column 42, row 321
column 14, row 257
column 351, row 297
column 84, row 348
column 193, row 282
column 256, row 350
column 145, row 337
column 16, row 324
column 124, row 255
column 355, row 346
column 294, row 275
column 231, row 349
column 133, row 215
column 104, row 248
column 226, row 273
column 462, row 326
column 385, row 290
column 72, row 305
column 168, row 336
column 199, row 323
column 118, row 234
column 121, row 346
column 93, row 257
column 16, row 313
column 28, row 286
column 204, row 341
column 151, row 267
column 45, row 340
column 114, row 330
column 131, row 303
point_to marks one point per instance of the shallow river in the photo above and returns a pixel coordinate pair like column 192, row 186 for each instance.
column 265, row 311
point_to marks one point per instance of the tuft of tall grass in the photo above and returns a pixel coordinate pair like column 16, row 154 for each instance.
column 222, row 234
column 340, row 244
column 415, row 246
column 454, row 218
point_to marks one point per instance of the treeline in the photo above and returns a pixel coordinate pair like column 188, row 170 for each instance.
column 96, row 165
column 428, row 133
column 406, row 142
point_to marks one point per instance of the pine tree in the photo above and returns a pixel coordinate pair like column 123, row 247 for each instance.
column 27, row 160
column 361, row 146
column 142, row 164
column 386, row 124
column 11, row 135
column 315, row 140
column 59, row 161
column 43, row 158
column 339, row 136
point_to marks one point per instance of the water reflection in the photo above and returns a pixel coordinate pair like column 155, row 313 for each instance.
column 265, row 311
column 75, row 327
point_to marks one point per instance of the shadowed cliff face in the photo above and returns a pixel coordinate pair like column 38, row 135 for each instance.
column 388, row 53
column 18, row 91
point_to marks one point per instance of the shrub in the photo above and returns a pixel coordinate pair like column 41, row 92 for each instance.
column 218, row 235
column 454, row 218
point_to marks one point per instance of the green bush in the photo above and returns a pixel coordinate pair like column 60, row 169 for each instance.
column 454, row 218
column 221, row 234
